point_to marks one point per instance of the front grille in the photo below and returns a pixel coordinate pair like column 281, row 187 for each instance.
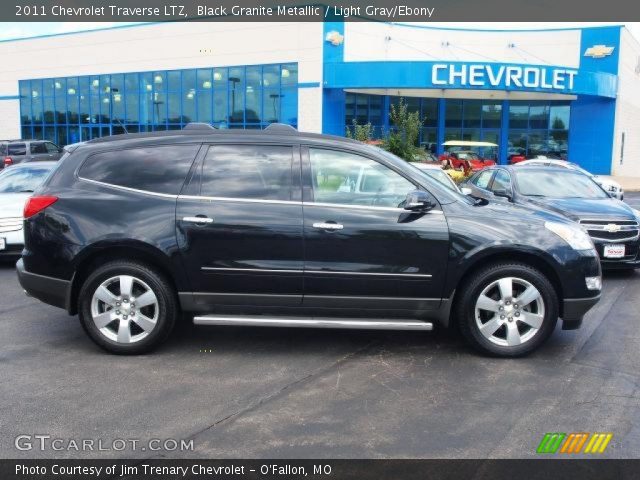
column 10, row 224
column 611, row 231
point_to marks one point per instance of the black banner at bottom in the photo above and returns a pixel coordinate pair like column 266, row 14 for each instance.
column 164, row 469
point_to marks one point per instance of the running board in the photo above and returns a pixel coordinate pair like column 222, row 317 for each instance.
column 313, row 322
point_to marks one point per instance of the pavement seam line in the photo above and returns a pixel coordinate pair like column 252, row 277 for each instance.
column 284, row 390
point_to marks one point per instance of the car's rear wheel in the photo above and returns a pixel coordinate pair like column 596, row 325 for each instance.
column 127, row 307
column 507, row 309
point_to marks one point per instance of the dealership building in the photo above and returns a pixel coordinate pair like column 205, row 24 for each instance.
column 572, row 92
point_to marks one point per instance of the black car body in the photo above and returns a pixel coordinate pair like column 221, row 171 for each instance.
column 612, row 224
column 229, row 239
column 13, row 152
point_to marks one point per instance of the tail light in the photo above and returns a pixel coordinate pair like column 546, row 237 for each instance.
column 37, row 204
column 8, row 161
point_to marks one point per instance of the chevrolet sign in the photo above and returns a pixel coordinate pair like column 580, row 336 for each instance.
column 502, row 76
column 611, row 228
column 598, row 51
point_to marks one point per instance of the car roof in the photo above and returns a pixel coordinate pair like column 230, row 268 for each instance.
column 204, row 132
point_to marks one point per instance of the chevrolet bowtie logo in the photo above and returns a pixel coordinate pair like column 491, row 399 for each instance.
column 612, row 228
column 598, row 51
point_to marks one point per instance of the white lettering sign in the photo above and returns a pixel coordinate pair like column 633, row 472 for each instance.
column 512, row 76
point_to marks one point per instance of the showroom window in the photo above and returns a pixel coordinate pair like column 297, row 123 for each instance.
column 474, row 120
column 364, row 108
column 539, row 128
column 73, row 109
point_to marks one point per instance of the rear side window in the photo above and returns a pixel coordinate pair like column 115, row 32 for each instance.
column 51, row 147
column 38, row 148
column 3, row 148
column 160, row 169
column 257, row 172
column 482, row 180
column 17, row 149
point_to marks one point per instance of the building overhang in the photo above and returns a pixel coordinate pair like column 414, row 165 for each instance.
column 462, row 94
column 474, row 77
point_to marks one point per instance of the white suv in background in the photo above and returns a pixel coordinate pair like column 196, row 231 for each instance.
column 612, row 187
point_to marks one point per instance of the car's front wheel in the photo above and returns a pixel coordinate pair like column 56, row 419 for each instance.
column 507, row 309
column 127, row 307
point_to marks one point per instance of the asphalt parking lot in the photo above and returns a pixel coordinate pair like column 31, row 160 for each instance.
column 288, row 393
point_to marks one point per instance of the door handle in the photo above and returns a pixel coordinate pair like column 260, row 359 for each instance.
column 201, row 220
column 328, row 226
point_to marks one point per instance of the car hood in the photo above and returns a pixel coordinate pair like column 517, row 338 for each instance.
column 12, row 204
column 586, row 208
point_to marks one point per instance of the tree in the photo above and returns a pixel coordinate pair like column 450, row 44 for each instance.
column 402, row 141
column 362, row 133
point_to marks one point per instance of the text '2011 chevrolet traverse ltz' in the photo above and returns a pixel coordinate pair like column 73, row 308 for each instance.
column 281, row 228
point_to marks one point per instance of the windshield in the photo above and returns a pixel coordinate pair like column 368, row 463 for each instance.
column 23, row 179
column 468, row 156
column 557, row 184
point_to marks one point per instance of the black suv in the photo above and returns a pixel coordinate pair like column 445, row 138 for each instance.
column 280, row 228
column 18, row 151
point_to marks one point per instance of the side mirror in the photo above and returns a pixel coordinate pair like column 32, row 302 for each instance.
column 418, row 201
column 502, row 192
column 466, row 191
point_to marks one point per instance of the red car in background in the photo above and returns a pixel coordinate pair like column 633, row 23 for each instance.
column 459, row 156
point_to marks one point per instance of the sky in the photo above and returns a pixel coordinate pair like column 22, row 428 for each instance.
column 30, row 29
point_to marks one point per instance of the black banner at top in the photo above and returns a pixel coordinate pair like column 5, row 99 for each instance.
column 299, row 11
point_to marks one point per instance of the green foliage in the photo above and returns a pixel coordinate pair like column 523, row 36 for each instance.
column 362, row 133
column 402, row 141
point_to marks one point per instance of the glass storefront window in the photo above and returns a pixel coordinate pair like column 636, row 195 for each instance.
column 559, row 117
column 491, row 115
column 518, row 115
column 453, row 114
column 472, row 111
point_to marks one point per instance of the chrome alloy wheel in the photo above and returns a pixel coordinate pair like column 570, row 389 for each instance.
column 124, row 309
column 509, row 312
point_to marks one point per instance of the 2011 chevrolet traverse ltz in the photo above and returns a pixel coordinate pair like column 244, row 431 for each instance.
column 281, row 228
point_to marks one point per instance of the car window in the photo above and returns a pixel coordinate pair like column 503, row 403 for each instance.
column 557, row 184
column 17, row 149
column 51, row 147
column 36, row 148
column 502, row 181
column 14, row 180
column 160, row 169
column 351, row 179
column 482, row 180
column 259, row 172
column 441, row 177
column 3, row 148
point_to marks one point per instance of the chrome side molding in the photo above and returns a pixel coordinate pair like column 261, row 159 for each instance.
column 313, row 322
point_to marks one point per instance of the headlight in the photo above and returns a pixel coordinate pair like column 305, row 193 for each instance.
column 577, row 238
column 636, row 213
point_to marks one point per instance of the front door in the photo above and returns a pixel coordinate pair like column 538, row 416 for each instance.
column 363, row 250
column 239, row 226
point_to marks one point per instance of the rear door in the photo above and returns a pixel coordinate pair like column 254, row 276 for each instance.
column 480, row 183
column 239, row 226
column 363, row 250
column 17, row 152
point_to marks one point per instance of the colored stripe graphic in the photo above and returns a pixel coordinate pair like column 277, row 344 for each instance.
column 551, row 442
column 574, row 443
column 598, row 443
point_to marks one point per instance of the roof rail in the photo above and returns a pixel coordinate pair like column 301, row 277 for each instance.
column 281, row 128
column 199, row 126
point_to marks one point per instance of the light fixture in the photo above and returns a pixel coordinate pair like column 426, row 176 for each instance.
column 190, row 95
column 206, row 84
column 58, row 85
column 105, row 100
column 285, row 73
column 96, row 83
column 71, row 91
column 157, row 79
column 217, row 76
column 34, row 93
column 249, row 89
column 117, row 97
column 149, row 87
column 266, row 82
column 107, row 89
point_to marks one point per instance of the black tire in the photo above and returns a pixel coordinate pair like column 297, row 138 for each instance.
column 167, row 306
column 465, row 309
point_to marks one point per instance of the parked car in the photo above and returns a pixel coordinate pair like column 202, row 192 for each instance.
column 254, row 228
column 612, row 187
column 16, row 186
column 18, row 151
column 459, row 156
column 612, row 224
column 436, row 172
